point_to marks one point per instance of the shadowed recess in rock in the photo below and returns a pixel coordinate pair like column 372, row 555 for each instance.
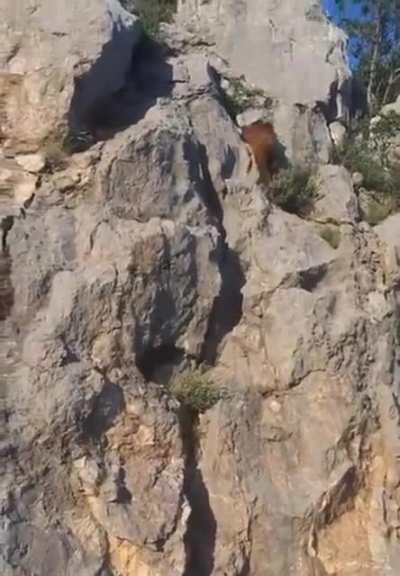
column 201, row 528
column 6, row 288
column 227, row 308
column 149, row 78
column 106, row 407
column 158, row 364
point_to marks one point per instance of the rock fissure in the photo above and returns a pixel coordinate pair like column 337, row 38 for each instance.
column 199, row 539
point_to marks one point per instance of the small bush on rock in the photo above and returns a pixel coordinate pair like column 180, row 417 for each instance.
column 368, row 152
column 239, row 96
column 152, row 13
column 357, row 157
column 195, row 391
column 294, row 190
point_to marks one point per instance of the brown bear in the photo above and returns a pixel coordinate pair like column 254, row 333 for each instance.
column 262, row 141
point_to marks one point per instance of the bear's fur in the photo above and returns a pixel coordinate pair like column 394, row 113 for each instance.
column 262, row 141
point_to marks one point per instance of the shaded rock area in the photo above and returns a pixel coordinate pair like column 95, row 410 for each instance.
column 152, row 252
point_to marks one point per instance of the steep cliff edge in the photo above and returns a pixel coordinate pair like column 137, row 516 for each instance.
column 151, row 251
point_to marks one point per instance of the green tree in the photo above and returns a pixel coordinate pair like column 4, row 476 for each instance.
column 373, row 27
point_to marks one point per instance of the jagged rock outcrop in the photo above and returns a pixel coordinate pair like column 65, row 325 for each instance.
column 155, row 251
column 296, row 56
column 58, row 61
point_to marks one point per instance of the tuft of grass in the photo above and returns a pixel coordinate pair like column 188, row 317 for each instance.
column 240, row 96
column 331, row 234
column 195, row 391
column 294, row 190
column 56, row 154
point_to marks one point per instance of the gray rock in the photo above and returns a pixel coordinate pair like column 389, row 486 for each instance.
column 303, row 133
column 154, row 252
column 392, row 108
column 338, row 133
column 54, row 72
column 274, row 48
column 336, row 200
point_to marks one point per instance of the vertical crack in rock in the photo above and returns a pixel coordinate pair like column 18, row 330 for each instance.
column 201, row 529
column 227, row 308
column 7, row 340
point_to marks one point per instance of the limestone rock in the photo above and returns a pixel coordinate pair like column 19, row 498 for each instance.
column 274, row 48
column 58, row 61
column 393, row 108
column 387, row 233
column 336, row 200
column 338, row 132
column 33, row 163
column 303, row 134
column 17, row 184
column 153, row 253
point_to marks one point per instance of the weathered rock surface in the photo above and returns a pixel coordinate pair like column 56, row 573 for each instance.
column 149, row 253
column 57, row 62
column 296, row 56
column 336, row 200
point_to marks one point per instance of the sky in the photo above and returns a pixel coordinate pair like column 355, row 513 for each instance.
column 352, row 9
column 330, row 7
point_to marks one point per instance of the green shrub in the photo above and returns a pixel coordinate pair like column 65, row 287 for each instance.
column 195, row 391
column 331, row 234
column 55, row 154
column 368, row 151
column 239, row 97
column 294, row 190
column 152, row 13
column 358, row 157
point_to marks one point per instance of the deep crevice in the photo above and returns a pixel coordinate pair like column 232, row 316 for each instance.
column 158, row 364
column 227, row 308
column 6, row 287
column 200, row 536
column 311, row 278
column 94, row 119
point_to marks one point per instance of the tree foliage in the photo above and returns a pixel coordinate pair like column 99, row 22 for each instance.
column 374, row 30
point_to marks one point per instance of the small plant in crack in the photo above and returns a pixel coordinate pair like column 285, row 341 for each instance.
column 195, row 391
column 331, row 234
column 294, row 190
column 239, row 96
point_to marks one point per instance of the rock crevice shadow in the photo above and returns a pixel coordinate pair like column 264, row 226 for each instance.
column 201, row 528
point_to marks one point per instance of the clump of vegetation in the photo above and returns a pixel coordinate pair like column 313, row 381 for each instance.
column 152, row 13
column 377, row 211
column 294, row 190
column 357, row 156
column 367, row 152
column 195, row 390
column 331, row 234
column 240, row 96
column 55, row 154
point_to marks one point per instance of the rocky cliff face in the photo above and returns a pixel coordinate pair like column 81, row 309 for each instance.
column 295, row 55
column 126, row 264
